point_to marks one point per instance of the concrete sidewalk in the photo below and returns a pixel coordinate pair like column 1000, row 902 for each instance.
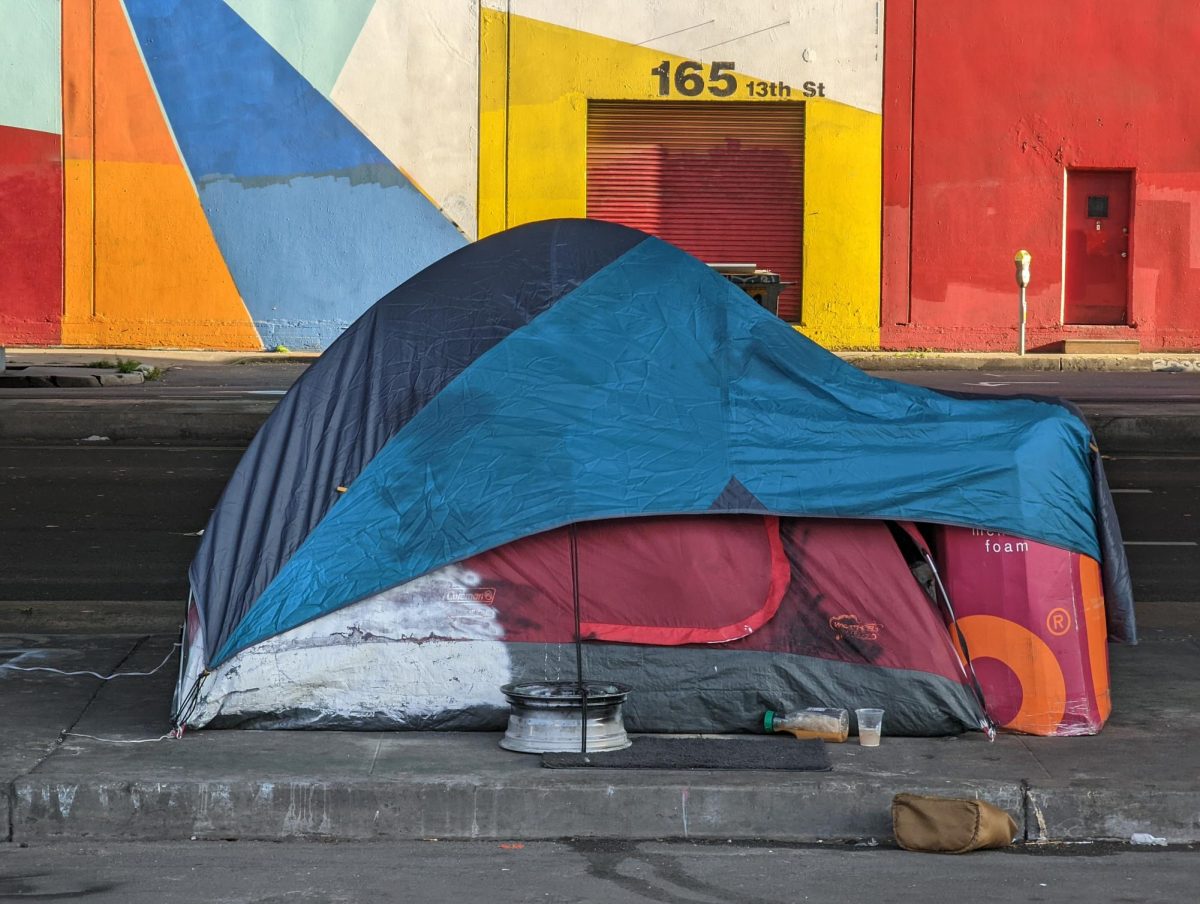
column 1140, row 774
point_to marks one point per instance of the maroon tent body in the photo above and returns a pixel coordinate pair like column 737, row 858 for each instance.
column 747, row 612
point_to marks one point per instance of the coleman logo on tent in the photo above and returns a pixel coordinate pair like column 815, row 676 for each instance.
column 474, row 595
column 849, row 626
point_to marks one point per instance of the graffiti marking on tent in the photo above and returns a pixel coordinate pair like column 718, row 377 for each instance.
column 849, row 626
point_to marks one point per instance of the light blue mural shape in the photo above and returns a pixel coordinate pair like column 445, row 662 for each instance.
column 313, row 221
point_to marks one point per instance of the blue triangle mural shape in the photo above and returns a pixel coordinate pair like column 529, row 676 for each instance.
column 237, row 107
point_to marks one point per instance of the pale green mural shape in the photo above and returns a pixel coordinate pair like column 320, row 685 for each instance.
column 315, row 36
column 30, row 65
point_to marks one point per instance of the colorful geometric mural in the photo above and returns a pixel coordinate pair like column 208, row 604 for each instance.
column 249, row 173
column 212, row 194
column 291, row 28
column 252, row 173
column 310, row 215
column 142, row 267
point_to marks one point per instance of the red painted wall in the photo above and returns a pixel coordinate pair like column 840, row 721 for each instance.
column 31, row 235
column 984, row 106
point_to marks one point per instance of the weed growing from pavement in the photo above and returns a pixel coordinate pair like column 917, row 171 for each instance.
column 128, row 366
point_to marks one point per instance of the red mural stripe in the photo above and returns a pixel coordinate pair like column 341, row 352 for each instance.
column 31, row 221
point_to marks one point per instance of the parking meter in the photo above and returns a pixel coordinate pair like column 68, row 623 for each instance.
column 1021, row 261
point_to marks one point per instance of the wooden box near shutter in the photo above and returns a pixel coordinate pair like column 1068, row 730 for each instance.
column 723, row 181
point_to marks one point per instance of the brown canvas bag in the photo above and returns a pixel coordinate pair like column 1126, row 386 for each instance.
column 949, row 825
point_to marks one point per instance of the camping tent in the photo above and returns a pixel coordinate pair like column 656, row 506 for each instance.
column 391, row 548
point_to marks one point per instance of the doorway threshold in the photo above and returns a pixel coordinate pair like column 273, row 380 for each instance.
column 1100, row 347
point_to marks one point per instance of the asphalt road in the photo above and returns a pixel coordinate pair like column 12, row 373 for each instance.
column 91, row 523
column 122, row 523
column 596, row 872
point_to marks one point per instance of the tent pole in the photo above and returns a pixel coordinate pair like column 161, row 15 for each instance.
column 574, row 535
column 988, row 724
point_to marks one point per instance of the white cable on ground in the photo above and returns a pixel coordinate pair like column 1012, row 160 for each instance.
column 75, row 734
column 43, row 668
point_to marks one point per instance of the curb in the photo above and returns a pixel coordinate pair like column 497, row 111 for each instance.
column 64, row 378
column 868, row 359
column 1124, row 431
column 907, row 361
column 676, row 806
column 1104, row 813
column 200, row 422
column 665, row 806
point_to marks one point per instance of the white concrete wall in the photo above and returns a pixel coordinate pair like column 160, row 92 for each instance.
column 835, row 42
column 411, row 85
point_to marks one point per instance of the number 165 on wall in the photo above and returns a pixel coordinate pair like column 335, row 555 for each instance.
column 688, row 80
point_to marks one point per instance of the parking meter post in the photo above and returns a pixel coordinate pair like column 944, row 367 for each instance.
column 1021, row 261
column 1024, row 309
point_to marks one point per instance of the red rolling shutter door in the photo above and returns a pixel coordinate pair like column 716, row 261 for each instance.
column 723, row 181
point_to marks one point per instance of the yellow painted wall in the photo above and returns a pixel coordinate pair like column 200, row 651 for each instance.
column 842, row 160
column 535, row 82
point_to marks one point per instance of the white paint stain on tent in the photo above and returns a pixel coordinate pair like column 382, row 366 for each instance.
column 402, row 656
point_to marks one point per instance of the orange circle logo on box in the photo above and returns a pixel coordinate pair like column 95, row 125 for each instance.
column 1043, row 687
column 1058, row 621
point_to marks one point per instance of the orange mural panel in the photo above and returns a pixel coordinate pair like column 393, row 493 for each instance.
column 77, row 78
column 142, row 266
column 78, row 240
column 129, row 121
column 160, row 278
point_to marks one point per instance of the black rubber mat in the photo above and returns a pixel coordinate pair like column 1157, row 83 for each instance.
column 702, row 753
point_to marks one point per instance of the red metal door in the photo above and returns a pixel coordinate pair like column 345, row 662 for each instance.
column 1098, row 204
column 723, row 181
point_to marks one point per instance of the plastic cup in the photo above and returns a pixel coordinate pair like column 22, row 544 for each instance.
column 870, row 726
